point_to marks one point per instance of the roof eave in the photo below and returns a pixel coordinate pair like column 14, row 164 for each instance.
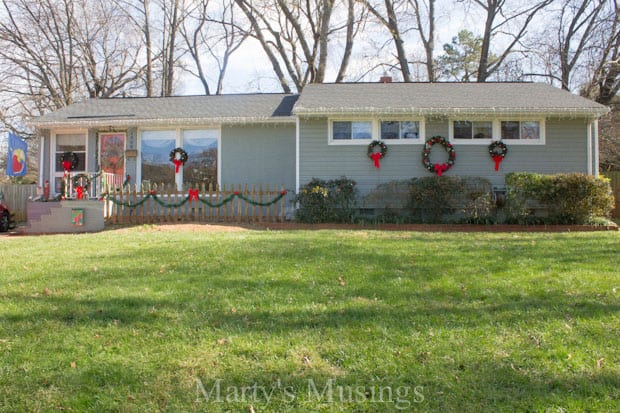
column 94, row 123
column 548, row 112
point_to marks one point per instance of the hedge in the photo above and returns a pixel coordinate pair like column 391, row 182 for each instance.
column 571, row 198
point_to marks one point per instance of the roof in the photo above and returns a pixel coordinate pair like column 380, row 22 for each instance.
column 178, row 110
column 443, row 99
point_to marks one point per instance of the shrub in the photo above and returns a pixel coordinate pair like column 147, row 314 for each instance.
column 326, row 201
column 443, row 198
column 565, row 198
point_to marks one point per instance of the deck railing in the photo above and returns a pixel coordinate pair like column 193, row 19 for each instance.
column 158, row 204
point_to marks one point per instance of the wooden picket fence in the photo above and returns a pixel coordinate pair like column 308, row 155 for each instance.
column 16, row 197
column 158, row 204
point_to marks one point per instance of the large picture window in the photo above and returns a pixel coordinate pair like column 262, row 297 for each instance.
column 201, row 167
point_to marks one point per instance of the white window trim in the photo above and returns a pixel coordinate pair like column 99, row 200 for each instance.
column 52, row 154
column 497, row 130
column 376, row 131
column 178, row 133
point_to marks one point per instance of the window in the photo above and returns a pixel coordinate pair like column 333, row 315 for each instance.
column 201, row 165
column 472, row 130
column 525, row 130
column 394, row 130
column 391, row 129
column 155, row 156
column 201, row 146
column 352, row 130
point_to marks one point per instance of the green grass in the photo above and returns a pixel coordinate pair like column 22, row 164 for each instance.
column 141, row 320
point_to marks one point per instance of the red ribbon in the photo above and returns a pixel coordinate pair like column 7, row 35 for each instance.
column 440, row 168
column 66, row 165
column 375, row 157
column 80, row 192
column 177, row 164
column 498, row 159
column 193, row 194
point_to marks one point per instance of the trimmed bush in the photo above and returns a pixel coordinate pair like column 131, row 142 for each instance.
column 326, row 201
column 557, row 199
column 437, row 199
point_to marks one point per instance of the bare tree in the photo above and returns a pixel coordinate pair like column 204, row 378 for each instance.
column 427, row 35
column 296, row 35
column 604, row 56
column 500, row 19
column 211, row 34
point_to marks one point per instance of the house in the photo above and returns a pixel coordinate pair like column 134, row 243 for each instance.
column 325, row 132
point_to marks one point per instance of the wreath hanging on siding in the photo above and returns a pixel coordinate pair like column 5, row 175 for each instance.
column 438, row 168
column 69, row 161
column 375, row 156
column 498, row 151
column 178, row 160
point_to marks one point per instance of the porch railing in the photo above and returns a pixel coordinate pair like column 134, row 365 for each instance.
column 158, row 204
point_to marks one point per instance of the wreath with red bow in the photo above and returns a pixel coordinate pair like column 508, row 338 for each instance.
column 375, row 156
column 438, row 168
column 69, row 161
column 498, row 151
column 178, row 160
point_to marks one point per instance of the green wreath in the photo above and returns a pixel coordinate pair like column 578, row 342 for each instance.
column 180, row 160
column 375, row 156
column 80, row 179
column 438, row 168
column 69, row 161
column 498, row 151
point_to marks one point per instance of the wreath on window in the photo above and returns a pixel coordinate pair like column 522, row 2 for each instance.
column 178, row 157
column 69, row 161
column 81, row 182
column 375, row 156
column 498, row 151
column 438, row 168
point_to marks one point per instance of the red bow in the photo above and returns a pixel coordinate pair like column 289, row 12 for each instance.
column 498, row 159
column 66, row 165
column 177, row 164
column 440, row 168
column 375, row 157
column 193, row 194
column 80, row 192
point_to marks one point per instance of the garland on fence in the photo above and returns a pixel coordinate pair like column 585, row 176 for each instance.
column 193, row 195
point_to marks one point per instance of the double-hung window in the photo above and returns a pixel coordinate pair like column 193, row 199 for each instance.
column 523, row 130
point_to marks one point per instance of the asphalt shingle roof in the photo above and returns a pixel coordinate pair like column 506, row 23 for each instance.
column 442, row 99
column 421, row 99
column 179, row 110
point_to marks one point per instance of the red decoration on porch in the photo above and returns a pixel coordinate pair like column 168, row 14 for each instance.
column 498, row 151
column 375, row 156
column 66, row 165
column 69, row 161
column 193, row 194
column 79, row 191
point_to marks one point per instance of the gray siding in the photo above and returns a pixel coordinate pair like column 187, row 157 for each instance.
column 258, row 154
column 565, row 150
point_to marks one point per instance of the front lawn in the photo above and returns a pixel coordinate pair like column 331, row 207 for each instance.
column 143, row 320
